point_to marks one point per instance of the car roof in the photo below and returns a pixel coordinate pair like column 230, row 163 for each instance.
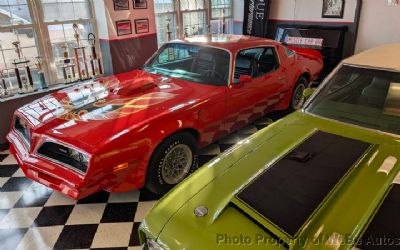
column 385, row 57
column 229, row 42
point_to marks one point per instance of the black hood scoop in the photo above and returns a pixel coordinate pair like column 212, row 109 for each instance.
column 290, row 192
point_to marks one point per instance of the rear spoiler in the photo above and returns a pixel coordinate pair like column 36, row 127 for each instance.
column 311, row 53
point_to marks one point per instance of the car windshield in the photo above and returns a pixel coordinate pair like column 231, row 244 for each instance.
column 191, row 62
column 361, row 96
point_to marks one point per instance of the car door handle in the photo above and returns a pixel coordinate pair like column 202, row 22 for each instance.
column 281, row 78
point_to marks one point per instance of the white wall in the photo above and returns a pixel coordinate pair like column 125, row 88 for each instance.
column 101, row 18
column 238, row 12
column 300, row 10
column 379, row 24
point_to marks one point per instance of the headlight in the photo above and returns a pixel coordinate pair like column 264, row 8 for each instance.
column 78, row 156
column 152, row 245
column 84, row 159
column 65, row 155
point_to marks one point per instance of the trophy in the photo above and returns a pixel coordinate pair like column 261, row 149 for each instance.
column 186, row 33
column 223, row 21
column 39, row 66
column 66, row 55
column 3, row 84
column 80, row 56
column 169, row 32
column 22, row 63
column 95, row 62
column 68, row 68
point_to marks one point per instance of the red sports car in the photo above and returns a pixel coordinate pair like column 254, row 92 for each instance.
column 143, row 128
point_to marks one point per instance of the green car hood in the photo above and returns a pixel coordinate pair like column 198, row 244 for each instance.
column 173, row 222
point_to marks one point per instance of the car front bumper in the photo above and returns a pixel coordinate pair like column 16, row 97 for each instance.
column 47, row 172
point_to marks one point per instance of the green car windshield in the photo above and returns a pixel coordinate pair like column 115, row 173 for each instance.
column 190, row 62
column 362, row 96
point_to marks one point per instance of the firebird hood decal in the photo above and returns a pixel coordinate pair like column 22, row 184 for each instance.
column 111, row 109
column 127, row 99
column 104, row 99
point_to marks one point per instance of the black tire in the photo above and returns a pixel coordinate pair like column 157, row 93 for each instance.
column 157, row 180
column 301, row 84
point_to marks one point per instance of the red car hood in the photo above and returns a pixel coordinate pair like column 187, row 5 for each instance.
column 95, row 111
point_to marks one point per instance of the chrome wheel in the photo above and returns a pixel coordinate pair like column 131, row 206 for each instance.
column 176, row 164
column 298, row 98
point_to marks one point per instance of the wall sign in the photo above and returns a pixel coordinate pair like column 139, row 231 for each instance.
column 305, row 41
column 139, row 4
column 333, row 8
column 256, row 13
column 121, row 5
column 141, row 26
column 124, row 27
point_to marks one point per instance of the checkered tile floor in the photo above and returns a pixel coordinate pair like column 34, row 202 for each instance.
column 34, row 217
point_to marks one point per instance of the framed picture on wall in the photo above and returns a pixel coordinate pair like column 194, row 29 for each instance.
column 139, row 4
column 141, row 26
column 333, row 8
column 121, row 5
column 124, row 27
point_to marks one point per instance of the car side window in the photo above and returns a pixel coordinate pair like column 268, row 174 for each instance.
column 246, row 63
column 289, row 52
column 255, row 62
column 267, row 61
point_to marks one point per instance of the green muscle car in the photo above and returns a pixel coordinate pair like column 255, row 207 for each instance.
column 325, row 177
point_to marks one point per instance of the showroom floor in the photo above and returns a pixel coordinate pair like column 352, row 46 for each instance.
column 34, row 217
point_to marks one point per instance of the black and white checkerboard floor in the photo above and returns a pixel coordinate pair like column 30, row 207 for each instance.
column 34, row 217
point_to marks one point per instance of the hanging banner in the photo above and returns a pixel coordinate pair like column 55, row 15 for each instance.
column 256, row 14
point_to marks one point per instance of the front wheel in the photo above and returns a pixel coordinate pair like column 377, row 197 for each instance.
column 297, row 100
column 173, row 160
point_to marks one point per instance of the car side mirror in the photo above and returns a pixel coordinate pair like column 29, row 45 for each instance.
column 307, row 93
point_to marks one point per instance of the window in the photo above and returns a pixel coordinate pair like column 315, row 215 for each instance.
column 255, row 62
column 43, row 28
column 289, row 52
column 221, row 16
column 194, row 19
column 14, row 12
column 16, row 27
column 361, row 96
column 59, row 17
column 65, row 10
column 182, row 18
column 166, row 20
column 267, row 61
column 194, row 63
